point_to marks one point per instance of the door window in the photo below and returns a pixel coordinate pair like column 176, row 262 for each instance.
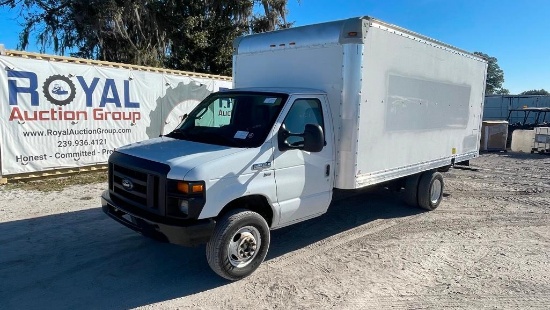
column 302, row 112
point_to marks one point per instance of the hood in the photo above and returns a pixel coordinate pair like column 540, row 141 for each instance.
column 181, row 155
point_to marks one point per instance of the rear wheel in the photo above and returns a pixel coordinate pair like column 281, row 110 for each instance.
column 430, row 190
column 238, row 245
column 411, row 190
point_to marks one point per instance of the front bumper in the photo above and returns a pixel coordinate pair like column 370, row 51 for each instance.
column 182, row 232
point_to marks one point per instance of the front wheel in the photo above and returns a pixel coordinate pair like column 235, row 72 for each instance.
column 238, row 245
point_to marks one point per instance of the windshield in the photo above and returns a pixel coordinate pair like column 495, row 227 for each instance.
column 237, row 119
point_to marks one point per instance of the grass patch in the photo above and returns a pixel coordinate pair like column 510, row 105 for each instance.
column 60, row 183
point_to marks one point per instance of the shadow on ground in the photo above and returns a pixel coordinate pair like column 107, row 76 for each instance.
column 348, row 210
column 518, row 155
column 85, row 260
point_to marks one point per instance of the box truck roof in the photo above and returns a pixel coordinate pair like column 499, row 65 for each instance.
column 347, row 31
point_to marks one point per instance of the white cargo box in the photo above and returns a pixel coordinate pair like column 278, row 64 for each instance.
column 401, row 103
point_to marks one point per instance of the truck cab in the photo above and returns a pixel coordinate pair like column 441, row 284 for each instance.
column 266, row 151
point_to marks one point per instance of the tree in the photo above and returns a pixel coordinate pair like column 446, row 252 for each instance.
column 193, row 35
column 502, row 91
column 541, row 91
column 495, row 76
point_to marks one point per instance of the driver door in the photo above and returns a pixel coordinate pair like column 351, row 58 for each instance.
column 304, row 179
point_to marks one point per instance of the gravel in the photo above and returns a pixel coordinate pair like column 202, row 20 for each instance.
column 486, row 247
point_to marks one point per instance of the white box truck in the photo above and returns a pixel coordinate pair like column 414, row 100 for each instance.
column 344, row 104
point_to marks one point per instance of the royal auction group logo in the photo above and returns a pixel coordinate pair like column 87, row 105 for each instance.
column 59, row 90
column 109, row 99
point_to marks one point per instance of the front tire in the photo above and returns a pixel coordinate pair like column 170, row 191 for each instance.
column 238, row 245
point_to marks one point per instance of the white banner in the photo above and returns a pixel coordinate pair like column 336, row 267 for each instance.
column 62, row 115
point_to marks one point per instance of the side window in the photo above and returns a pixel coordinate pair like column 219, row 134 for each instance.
column 302, row 112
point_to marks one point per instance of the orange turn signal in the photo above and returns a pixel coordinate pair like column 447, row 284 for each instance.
column 190, row 187
column 183, row 187
column 197, row 188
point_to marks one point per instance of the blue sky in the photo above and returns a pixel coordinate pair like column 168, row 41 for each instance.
column 516, row 32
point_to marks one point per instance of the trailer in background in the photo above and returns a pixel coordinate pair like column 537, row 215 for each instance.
column 512, row 108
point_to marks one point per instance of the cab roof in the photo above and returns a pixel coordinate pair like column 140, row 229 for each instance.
column 279, row 90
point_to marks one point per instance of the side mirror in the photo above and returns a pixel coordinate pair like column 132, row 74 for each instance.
column 313, row 139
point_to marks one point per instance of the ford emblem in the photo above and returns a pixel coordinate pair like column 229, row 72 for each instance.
column 127, row 184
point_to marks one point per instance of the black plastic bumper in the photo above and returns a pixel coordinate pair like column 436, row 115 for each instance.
column 186, row 234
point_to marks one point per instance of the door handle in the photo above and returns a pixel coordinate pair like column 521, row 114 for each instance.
column 327, row 170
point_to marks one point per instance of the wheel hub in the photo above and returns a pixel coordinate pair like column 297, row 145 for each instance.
column 247, row 246
column 243, row 246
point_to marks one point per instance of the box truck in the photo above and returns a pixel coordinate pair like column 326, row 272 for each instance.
column 338, row 105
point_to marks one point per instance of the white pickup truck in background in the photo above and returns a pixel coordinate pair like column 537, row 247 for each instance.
column 344, row 104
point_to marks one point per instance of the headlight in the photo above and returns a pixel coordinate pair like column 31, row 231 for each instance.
column 185, row 199
column 184, row 206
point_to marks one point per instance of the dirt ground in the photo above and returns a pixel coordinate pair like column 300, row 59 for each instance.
column 486, row 247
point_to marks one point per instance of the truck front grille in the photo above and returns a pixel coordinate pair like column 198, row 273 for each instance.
column 138, row 182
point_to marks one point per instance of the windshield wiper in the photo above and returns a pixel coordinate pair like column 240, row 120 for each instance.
column 177, row 133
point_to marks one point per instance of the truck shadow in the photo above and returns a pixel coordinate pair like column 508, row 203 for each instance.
column 348, row 210
column 84, row 260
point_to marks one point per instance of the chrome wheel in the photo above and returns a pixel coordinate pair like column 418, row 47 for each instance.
column 435, row 191
column 238, row 245
column 243, row 246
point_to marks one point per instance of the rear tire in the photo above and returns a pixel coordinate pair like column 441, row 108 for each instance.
column 430, row 190
column 411, row 190
column 238, row 245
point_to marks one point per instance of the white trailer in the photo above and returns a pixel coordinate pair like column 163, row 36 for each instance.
column 345, row 104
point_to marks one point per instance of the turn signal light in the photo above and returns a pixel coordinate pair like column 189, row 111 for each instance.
column 197, row 188
column 190, row 187
column 183, row 187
